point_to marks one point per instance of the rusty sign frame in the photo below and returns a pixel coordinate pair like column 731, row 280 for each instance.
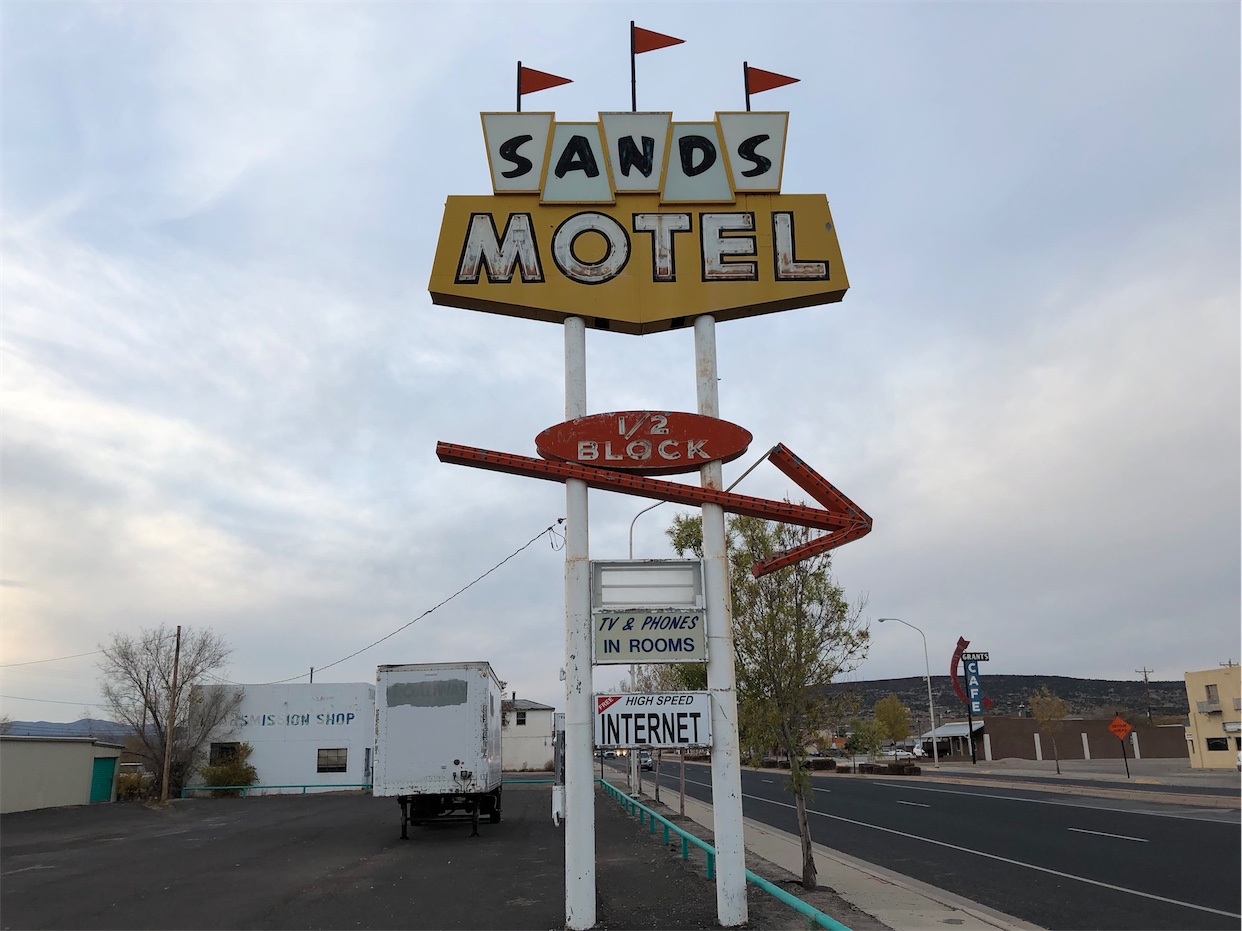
column 840, row 516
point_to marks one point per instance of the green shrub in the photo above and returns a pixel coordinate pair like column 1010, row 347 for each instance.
column 234, row 772
column 129, row 787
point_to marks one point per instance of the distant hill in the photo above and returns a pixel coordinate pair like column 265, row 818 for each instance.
column 1085, row 697
column 109, row 731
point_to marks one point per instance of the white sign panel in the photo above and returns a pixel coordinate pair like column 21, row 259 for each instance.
column 639, row 583
column 654, row 719
column 650, row 635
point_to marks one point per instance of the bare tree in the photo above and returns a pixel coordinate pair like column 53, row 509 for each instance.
column 1050, row 711
column 793, row 632
column 137, row 674
column 6, row 723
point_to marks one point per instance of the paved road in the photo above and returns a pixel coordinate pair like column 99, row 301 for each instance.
column 1057, row 861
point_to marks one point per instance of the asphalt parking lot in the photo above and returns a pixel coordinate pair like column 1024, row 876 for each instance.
column 336, row 861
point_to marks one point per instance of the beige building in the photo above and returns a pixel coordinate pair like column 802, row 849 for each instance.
column 1214, row 732
column 48, row 772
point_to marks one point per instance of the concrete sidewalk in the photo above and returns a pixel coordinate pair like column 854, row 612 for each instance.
column 1156, row 780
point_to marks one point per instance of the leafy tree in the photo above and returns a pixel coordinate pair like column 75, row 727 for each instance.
column 237, row 770
column 1050, row 711
column 866, row 737
column 137, row 674
column 793, row 632
column 671, row 677
column 893, row 718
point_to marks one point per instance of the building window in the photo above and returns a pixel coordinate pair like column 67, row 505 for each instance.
column 521, row 719
column 1213, row 694
column 1237, row 742
column 333, row 761
column 222, row 753
column 1217, row 743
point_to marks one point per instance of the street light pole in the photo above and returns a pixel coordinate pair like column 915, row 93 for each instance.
column 931, row 708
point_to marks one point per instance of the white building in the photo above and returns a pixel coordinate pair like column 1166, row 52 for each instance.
column 526, row 737
column 315, row 735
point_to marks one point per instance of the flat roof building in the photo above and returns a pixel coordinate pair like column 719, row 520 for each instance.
column 1214, row 728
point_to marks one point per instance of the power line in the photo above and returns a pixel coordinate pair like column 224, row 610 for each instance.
column 53, row 701
column 54, row 659
column 549, row 531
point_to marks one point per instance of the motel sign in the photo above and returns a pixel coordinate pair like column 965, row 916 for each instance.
column 636, row 223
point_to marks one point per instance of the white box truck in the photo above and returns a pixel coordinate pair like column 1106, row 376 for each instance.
column 437, row 741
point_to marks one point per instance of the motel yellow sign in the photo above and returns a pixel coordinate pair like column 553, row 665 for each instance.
column 636, row 223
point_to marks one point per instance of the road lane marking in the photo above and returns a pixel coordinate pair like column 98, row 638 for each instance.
column 915, row 804
column 1183, row 816
column 26, row 869
column 1141, row 840
column 993, row 856
column 768, row 781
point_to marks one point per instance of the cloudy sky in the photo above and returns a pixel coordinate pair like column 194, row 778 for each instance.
column 223, row 379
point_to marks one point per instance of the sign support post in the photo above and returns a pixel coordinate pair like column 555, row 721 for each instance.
column 731, row 908
column 970, row 732
column 579, row 713
column 1121, row 729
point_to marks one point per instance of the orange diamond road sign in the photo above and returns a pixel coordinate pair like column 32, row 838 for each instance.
column 1120, row 728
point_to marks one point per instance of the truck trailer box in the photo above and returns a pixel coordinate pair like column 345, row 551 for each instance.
column 437, row 740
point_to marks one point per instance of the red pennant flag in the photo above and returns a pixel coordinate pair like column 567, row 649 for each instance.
column 530, row 80
column 647, row 41
column 759, row 80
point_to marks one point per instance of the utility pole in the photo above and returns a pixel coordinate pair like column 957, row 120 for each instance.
column 1146, row 690
column 172, row 718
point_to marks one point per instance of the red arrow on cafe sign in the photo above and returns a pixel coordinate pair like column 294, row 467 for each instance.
column 843, row 519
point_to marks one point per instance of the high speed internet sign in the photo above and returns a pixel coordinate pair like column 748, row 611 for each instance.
column 653, row 719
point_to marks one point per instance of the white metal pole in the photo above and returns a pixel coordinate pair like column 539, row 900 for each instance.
column 731, row 908
column 931, row 708
column 636, row 776
column 579, row 782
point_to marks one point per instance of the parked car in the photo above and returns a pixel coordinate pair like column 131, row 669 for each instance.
column 897, row 753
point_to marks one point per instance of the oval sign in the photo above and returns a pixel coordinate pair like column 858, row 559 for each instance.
column 646, row 442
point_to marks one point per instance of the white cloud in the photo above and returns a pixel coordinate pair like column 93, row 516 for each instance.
column 223, row 379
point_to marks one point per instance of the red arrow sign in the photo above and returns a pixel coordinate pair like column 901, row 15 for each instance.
column 848, row 523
